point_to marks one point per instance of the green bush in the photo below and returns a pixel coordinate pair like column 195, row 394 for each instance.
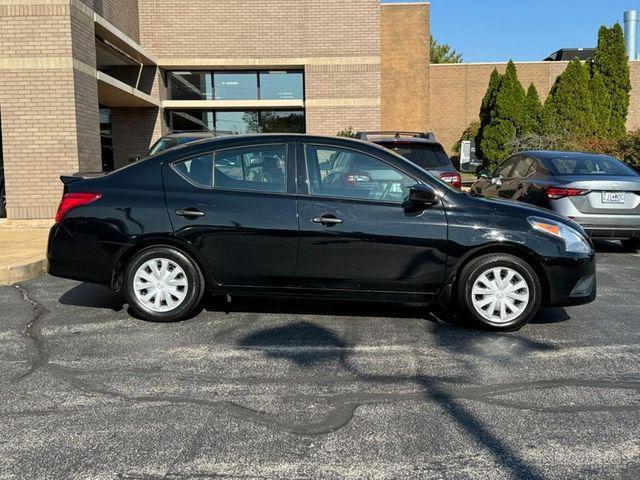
column 469, row 133
column 347, row 132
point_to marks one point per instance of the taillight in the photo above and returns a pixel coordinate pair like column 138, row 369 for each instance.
column 73, row 200
column 558, row 192
column 452, row 178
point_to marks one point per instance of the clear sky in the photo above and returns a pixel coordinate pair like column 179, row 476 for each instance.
column 522, row 30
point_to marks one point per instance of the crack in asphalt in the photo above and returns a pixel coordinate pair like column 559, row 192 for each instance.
column 33, row 331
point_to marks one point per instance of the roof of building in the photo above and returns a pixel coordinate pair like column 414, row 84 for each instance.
column 565, row 54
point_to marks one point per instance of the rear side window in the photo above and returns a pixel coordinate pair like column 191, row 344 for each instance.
column 260, row 168
column 198, row 170
column 425, row 156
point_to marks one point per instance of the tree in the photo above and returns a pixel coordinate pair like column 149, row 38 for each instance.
column 532, row 112
column 601, row 104
column 506, row 117
column 611, row 62
column 443, row 53
column 487, row 106
column 568, row 110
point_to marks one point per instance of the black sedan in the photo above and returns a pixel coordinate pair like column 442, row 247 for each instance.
column 318, row 216
column 597, row 191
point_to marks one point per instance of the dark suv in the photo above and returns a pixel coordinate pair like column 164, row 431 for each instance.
column 419, row 148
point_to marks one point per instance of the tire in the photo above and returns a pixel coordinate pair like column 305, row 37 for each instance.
column 631, row 244
column 520, row 305
column 178, row 298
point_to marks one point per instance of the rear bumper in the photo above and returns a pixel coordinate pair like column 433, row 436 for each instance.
column 612, row 225
column 87, row 261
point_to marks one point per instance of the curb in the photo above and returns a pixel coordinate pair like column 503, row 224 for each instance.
column 20, row 273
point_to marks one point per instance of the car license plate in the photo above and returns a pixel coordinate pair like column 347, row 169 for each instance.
column 612, row 197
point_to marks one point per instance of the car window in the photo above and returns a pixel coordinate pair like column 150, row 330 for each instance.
column 524, row 167
column 261, row 168
column 426, row 156
column 197, row 170
column 337, row 172
column 505, row 168
column 589, row 165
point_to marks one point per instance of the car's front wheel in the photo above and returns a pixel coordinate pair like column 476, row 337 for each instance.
column 162, row 284
column 499, row 292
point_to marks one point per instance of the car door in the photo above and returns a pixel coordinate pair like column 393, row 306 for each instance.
column 355, row 232
column 236, row 206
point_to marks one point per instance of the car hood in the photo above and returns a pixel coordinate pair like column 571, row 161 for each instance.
column 514, row 208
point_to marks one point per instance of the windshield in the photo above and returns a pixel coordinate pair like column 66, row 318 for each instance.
column 590, row 165
column 424, row 155
column 167, row 143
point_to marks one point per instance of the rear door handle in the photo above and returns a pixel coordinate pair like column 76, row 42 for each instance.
column 190, row 213
column 327, row 220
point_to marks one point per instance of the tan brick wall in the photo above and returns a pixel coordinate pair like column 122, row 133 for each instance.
column 48, row 103
column 405, row 66
column 456, row 93
column 344, row 93
column 122, row 13
column 133, row 132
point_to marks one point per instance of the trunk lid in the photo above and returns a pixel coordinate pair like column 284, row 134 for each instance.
column 608, row 194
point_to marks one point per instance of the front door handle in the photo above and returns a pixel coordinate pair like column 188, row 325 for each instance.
column 327, row 220
column 190, row 213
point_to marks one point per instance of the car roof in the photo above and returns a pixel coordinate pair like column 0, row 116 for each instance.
column 550, row 154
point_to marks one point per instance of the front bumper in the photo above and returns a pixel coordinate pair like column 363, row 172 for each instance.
column 571, row 281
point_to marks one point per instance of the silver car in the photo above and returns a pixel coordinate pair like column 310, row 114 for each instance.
column 600, row 193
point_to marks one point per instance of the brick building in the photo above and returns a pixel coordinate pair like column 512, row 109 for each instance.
column 87, row 84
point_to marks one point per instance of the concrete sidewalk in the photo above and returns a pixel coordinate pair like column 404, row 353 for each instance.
column 23, row 245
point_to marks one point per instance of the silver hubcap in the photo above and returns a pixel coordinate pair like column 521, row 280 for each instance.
column 160, row 285
column 500, row 294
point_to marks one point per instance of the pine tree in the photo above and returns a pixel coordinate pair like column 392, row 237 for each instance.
column 601, row 104
column 611, row 62
column 487, row 106
column 568, row 110
column 506, row 118
column 532, row 111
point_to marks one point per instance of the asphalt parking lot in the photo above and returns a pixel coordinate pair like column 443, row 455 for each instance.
column 292, row 389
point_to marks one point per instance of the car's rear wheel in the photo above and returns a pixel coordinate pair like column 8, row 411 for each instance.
column 499, row 292
column 631, row 244
column 162, row 284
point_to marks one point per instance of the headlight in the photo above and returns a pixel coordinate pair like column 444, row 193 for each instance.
column 574, row 240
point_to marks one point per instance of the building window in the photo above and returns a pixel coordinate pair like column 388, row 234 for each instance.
column 235, row 85
column 281, row 85
column 243, row 85
column 238, row 121
column 190, row 85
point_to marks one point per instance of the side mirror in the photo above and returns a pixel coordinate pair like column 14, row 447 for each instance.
column 497, row 180
column 423, row 195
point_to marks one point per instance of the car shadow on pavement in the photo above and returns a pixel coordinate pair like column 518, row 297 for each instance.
column 609, row 246
column 93, row 296
column 309, row 345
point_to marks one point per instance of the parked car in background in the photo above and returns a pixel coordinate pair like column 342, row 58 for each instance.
column 600, row 193
column 178, row 137
column 283, row 214
column 419, row 148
